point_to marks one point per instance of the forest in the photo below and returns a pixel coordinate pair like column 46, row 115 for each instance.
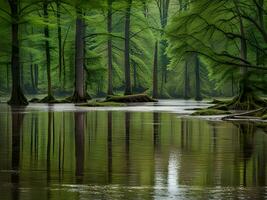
column 83, row 49
column 133, row 99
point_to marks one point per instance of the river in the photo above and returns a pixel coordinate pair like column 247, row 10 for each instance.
column 152, row 151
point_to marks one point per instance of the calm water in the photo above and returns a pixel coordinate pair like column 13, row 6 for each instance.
column 130, row 153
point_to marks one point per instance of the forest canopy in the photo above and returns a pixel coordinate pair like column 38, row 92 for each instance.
column 165, row 48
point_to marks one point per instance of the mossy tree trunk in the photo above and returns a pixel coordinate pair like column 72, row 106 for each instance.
column 17, row 96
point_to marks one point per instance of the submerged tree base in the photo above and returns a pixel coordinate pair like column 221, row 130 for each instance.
column 130, row 98
column 76, row 98
column 18, row 99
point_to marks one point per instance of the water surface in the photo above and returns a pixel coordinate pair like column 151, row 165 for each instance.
column 145, row 152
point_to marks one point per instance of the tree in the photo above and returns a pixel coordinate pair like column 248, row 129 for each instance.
column 163, row 6
column 110, row 67
column 225, row 36
column 198, row 96
column 155, row 72
column 59, row 33
column 50, row 96
column 127, row 67
column 79, row 95
column 17, row 96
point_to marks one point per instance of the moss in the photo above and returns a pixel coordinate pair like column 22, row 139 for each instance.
column 222, row 107
column 216, row 101
column 34, row 100
column 264, row 117
column 48, row 99
column 130, row 98
column 51, row 100
column 101, row 104
column 206, row 112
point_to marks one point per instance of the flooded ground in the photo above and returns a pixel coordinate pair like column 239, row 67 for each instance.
column 138, row 152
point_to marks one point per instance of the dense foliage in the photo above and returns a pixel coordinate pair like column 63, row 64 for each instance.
column 168, row 48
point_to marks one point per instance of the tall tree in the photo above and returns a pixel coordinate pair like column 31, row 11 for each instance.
column 155, row 72
column 186, row 80
column 79, row 95
column 225, row 35
column 17, row 96
column 198, row 96
column 59, row 35
column 48, row 55
column 163, row 6
column 110, row 67
column 127, row 67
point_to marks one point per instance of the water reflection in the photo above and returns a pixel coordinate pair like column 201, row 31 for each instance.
column 79, row 145
column 128, row 155
column 17, row 120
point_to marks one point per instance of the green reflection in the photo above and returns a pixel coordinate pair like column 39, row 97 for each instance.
column 128, row 155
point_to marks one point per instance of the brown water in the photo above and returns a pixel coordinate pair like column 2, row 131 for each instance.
column 117, row 154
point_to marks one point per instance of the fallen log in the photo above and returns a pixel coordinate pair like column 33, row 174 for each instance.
column 130, row 98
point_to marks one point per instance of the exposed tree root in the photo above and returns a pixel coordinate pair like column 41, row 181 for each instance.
column 249, row 114
column 247, row 101
column 76, row 98
column 209, row 112
column 18, row 98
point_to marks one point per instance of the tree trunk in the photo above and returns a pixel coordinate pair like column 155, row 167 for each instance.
column 164, row 62
column 110, row 67
column 198, row 81
column 134, row 76
column 232, row 85
column 145, row 8
column 22, row 76
column 7, row 77
column 186, row 82
column 163, row 6
column 59, row 35
column 17, row 96
column 78, row 95
column 155, row 72
column 128, row 87
column 32, row 78
column 36, row 76
column 63, row 59
column 47, row 51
